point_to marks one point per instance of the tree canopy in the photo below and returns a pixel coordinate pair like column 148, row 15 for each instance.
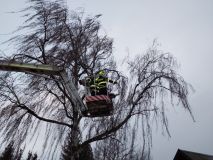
column 33, row 105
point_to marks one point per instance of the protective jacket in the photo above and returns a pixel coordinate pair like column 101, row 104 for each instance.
column 98, row 84
column 101, row 82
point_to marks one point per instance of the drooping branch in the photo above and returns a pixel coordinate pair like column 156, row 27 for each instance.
column 75, row 43
column 41, row 118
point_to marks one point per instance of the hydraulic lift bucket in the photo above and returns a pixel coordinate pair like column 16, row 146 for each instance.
column 99, row 106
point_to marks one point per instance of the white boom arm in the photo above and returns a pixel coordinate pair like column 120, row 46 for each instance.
column 47, row 70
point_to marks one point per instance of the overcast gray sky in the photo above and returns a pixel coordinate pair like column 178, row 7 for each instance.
column 184, row 28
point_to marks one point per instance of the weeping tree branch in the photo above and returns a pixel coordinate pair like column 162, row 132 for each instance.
column 69, row 40
column 31, row 112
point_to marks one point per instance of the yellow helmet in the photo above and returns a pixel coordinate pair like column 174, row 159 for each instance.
column 101, row 73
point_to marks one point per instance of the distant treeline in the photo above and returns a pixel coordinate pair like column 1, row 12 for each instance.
column 10, row 154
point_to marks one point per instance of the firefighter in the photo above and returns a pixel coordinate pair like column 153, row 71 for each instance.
column 90, row 82
column 98, row 84
column 101, row 82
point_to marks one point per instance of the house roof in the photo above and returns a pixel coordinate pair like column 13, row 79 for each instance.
column 188, row 155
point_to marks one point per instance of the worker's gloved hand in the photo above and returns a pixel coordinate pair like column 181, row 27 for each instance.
column 115, row 82
column 112, row 95
column 80, row 82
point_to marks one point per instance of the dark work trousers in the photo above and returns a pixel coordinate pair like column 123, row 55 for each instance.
column 93, row 93
column 102, row 91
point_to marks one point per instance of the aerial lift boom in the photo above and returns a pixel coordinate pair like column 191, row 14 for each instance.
column 41, row 69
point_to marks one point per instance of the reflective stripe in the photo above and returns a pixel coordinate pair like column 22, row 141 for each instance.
column 99, row 83
column 102, row 84
column 93, row 86
column 99, row 79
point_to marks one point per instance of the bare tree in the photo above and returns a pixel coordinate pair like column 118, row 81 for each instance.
column 8, row 152
column 31, row 104
column 86, row 152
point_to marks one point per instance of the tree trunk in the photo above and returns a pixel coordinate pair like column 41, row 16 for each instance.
column 75, row 139
column 75, row 130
